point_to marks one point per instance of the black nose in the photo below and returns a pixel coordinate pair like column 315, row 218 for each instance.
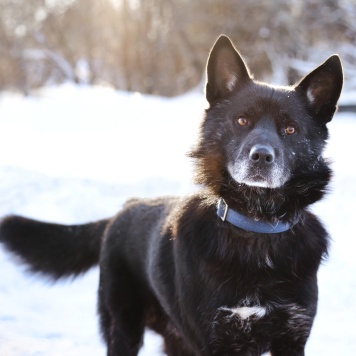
column 262, row 154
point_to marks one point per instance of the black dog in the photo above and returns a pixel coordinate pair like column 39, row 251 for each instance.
column 231, row 270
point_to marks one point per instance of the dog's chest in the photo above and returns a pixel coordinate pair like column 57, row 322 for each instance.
column 234, row 329
column 250, row 328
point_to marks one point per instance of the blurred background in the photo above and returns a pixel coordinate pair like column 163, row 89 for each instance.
column 160, row 46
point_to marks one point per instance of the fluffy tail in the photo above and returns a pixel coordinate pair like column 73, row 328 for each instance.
column 52, row 249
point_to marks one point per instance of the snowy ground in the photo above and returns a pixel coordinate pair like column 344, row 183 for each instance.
column 73, row 154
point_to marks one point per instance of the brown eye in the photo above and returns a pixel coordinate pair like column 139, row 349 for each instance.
column 242, row 121
column 290, row 130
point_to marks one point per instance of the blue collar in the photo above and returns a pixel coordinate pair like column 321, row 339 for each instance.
column 249, row 224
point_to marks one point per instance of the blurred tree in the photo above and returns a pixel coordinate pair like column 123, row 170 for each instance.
column 160, row 46
column 17, row 18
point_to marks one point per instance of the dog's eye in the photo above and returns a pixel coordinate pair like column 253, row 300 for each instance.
column 242, row 121
column 290, row 130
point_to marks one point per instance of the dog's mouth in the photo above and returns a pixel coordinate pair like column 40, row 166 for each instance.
column 273, row 177
column 258, row 180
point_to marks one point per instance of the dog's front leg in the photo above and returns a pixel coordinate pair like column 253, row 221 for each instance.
column 285, row 352
column 287, row 346
column 290, row 338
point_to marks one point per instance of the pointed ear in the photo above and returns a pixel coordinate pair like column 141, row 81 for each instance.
column 226, row 70
column 322, row 88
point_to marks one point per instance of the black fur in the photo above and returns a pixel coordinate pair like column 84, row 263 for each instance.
column 171, row 264
column 53, row 249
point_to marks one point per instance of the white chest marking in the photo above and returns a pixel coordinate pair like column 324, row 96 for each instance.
column 246, row 312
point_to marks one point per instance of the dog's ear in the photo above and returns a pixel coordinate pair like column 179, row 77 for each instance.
column 226, row 70
column 322, row 88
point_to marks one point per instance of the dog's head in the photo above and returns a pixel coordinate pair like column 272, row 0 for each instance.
column 259, row 135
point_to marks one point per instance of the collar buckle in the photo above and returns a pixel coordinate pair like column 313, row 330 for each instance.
column 222, row 209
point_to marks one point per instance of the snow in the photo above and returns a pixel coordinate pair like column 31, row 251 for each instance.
column 72, row 154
